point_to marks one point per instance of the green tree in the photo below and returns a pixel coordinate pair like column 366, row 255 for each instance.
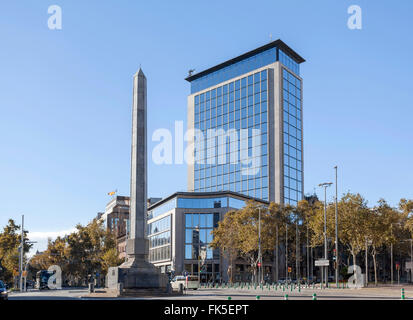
column 89, row 249
column 10, row 240
column 353, row 217
column 226, row 238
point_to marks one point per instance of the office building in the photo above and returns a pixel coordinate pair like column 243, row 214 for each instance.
column 247, row 117
column 179, row 228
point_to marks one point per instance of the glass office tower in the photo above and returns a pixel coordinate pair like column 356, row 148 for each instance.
column 246, row 117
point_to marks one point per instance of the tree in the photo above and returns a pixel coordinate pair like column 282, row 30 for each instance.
column 10, row 240
column 89, row 249
column 237, row 234
column 378, row 229
column 353, row 215
column 314, row 215
column 226, row 238
column 278, row 218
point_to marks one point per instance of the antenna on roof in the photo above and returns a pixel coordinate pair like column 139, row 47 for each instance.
column 190, row 72
column 270, row 37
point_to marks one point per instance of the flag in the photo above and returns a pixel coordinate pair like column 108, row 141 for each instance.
column 112, row 193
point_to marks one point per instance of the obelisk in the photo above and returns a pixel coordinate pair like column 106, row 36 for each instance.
column 137, row 275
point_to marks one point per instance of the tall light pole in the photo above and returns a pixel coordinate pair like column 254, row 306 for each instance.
column 259, row 245
column 411, row 261
column 325, row 185
column 21, row 256
column 297, row 249
column 336, row 227
column 391, row 256
column 286, row 251
column 367, row 264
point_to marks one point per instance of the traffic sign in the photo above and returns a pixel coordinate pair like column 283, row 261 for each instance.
column 322, row 263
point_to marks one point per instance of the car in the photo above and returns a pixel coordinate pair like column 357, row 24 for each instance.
column 284, row 281
column 3, row 291
column 30, row 284
column 187, row 282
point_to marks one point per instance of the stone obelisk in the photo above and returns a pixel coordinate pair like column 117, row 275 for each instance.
column 137, row 275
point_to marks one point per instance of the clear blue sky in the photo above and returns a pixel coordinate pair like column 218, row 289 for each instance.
column 65, row 96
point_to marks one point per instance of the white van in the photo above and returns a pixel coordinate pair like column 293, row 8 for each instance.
column 188, row 282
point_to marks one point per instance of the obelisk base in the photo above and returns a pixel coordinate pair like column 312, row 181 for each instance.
column 140, row 279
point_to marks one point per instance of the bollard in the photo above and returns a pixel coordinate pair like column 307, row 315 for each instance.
column 286, row 297
column 402, row 297
column 257, row 298
column 314, row 296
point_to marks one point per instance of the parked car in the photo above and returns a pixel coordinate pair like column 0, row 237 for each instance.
column 188, row 282
column 3, row 291
column 30, row 284
column 284, row 281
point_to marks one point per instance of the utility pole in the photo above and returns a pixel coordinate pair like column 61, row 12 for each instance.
column 259, row 245
column 325, row 185
column 336, row 231
column 286, row 251
column 367, row 265
column 308, row 259
column 297, row 249
column 391, row 255
column 21, row 255
column 411, row 261
column 276, row 253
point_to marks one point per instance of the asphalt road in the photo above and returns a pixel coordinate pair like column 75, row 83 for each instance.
column 381, row 293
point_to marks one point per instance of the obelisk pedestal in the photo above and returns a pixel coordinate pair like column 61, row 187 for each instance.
column 137, row 276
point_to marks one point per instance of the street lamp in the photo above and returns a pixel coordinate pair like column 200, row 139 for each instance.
column 325, row 185
column 336, row 230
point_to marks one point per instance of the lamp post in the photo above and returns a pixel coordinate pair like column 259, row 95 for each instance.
column 336, row 230
column 325, row 185
column 259, row 245
column 391, row 255
column 411, row 261
column 21, row 256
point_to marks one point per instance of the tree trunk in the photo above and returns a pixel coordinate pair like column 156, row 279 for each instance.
column 375, row 266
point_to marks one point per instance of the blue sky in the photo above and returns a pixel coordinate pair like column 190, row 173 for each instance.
column 65, row 97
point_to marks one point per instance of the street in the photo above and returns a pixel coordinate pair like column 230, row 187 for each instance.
column 376, row 293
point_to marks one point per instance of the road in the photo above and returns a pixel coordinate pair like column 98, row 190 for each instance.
column 381, row 293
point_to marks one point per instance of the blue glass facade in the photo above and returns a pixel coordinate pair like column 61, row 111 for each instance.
column 198, row 234
column 244, row 66
column 292, row 137
column 235, row 97
column 193, row 203
column 159, row 235
column 241, row 105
